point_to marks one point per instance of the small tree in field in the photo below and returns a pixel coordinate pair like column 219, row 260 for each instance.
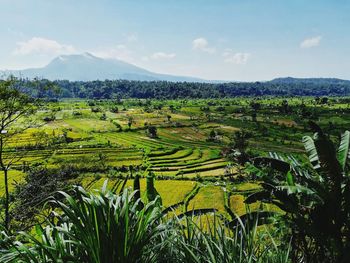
column 236, row 150
column 15, row 107
column 212, row 136
column 152, row 131
column 130, row 121
column 151, row 191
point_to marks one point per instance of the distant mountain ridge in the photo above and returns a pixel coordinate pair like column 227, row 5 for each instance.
column 87, row 67
column 319, row 81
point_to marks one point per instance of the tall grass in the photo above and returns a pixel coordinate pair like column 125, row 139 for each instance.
column 101, row 227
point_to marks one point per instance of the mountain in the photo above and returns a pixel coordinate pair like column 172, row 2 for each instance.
column 314, row 81
column 87, row 67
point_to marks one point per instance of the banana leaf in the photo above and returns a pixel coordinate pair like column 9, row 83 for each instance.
column 343, row 151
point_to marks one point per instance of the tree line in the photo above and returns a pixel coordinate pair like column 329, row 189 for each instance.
column 108, row 89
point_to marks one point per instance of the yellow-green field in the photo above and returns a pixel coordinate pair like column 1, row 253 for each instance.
column 14, row 177
column 100, row 144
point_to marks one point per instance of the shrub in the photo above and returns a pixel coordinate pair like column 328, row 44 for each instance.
column 77, row 113
column 96, row 109
column 114, row 109
column 103, row 117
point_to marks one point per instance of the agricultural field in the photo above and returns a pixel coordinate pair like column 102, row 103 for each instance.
column 110, row 140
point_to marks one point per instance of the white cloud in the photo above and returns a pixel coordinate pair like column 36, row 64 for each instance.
column 121, row 52
column 38, row 45
column 202, row 45
column 311, row 42
column 239, row 58
column 162, row 55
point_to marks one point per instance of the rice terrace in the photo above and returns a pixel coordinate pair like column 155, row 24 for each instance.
column 128, row 153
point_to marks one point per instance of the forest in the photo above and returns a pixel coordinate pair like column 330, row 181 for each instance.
column 111, row 89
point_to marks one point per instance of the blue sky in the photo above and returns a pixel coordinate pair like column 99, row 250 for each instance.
column 218, row 39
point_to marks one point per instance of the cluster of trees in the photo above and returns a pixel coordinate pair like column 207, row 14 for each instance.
column 170, row 90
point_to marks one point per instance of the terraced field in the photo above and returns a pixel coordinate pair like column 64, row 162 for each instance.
column 166, row 157
column 14, row 177
column 189, row 195
column 209, row 196
column 79, row 136
column 190, row 163
column 106, row 144
column 171, row 191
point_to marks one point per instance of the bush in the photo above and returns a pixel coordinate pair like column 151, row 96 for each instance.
column 96, row 109
column 77, row 113
column 103, row 117
column 39, row 184
column 114, row 109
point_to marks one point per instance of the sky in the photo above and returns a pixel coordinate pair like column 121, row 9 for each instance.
column 240, row 40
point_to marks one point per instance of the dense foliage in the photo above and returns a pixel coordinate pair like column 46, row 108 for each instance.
column 103, row 227
column 174, row 90
column 315, row 197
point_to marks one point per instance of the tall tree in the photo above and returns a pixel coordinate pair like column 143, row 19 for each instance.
column 15, row 108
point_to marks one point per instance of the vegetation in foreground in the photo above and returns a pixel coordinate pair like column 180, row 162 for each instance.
column 106, row 227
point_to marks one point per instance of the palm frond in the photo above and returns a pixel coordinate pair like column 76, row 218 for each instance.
column 311, row 150
column 343, row 152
